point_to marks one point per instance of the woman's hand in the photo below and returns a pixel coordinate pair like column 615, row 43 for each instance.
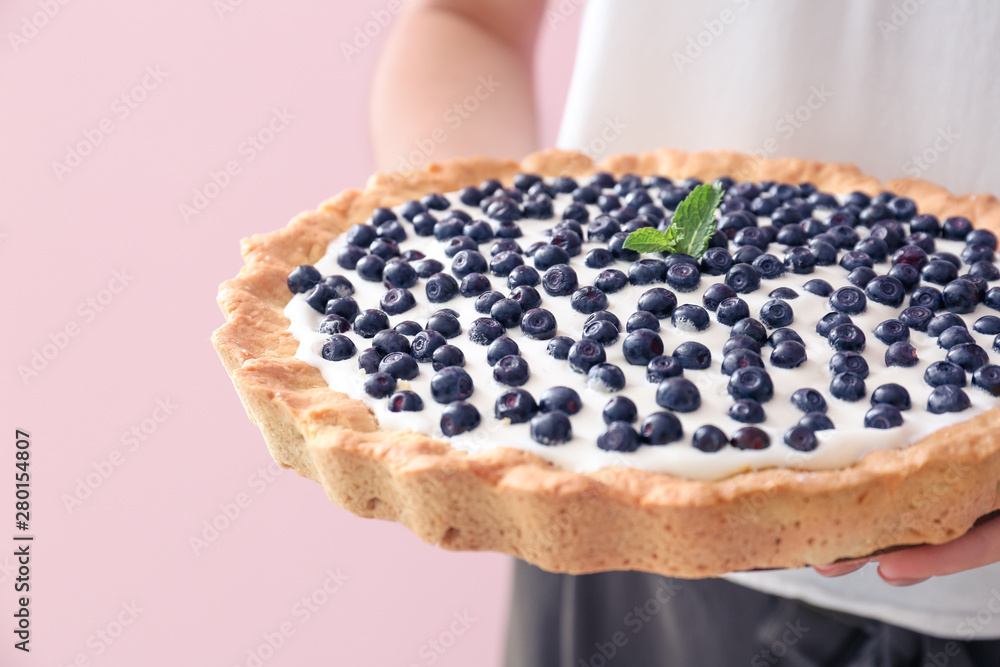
column 980, row 546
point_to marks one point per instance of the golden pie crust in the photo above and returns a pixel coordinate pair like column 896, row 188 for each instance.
column 618, row 518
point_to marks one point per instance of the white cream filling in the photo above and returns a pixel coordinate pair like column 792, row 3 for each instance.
column 845, row 445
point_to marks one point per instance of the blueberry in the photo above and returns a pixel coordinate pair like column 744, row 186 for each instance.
column 955, row 335
column 447, row 355
column 618, row 437
column 397, row 300
column 558, row 347
column 969, row 356
column 732, row 310
column 743, row 278
column 423, row 224
column 753, row 237
column 474, row 284
column 849, row 300
column 384, row 248
column 559, row 280
column 892, row 394
column 928, row 297
column 776, row 313
column 466, row 262
column 847, row 338
column 716, row 294
column 396, row 273
column 584, row 354
column 786, row 293
column 320, row 295
column 503, row 263
column 349, row 255
column 747, row 411
column 662, row 367
column 440, row 287
column 886, row 290
column 370, row 322
column 768, row 266
column 538, row 324
column 600, row 331
column 939, row 271
column 988, row 324
column 741, row 358
column 523, row 276
column 892, row 331
column 683, row 277
column 342, row 286
column 388, row 340
column 369, row 360
column 791, row 235
column 874, row 247
column 750, row 437
column 678, row 394
column 362, row 235
column 399, row 365
column 333, row 324
column 659, row 301
column 459, row 417
column 738, row 341
column 562, row 399
column 444, row 323
column 610, row 281
column 959, row 296
column 941, row 373
column 987, row 378
column 808, row 400
column 647, row 271
column 606, row 378
column 405, row 401
column 941, row 323
column 605, row 315
column 485, row 330
column 802, row 438
column 956, row 228
column 788, row 354
column 304, row 278
column 598, row 258
column 500, row 348
column 427, row 268
column 392, row 230
column 693, row 355
column 709, row 438
column 715, row 262
column 783, row 334
column 526, row 297
column 485, row 301
column 848, row 387
column 617, row 249
column 800, row 260
column 551, row 428
column 901, row 353
column 748, row 326
column 588, row 300
column 690, row 318
column 751, row 382
column 917, row 317
column 844, row 235
column 567, row 239
column 338, row 347
column 861, row 276
column 947, row 398
column 507, row 312
column 855, row 259
column 907, row 275
column 451, row 383
column 550, row 255
column 982, row 237
column 511, row 370
column 816, row 421
column 849, row 362
column 823, row 254
column 643, row 319
column 746, row 255
column 985, row 270
column 517, row 405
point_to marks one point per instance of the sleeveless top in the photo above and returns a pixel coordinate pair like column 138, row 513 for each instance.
column 903, row 89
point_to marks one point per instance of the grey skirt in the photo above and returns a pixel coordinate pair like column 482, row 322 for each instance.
column 633, row 619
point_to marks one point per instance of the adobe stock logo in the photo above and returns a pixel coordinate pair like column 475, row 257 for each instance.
column 35, row 23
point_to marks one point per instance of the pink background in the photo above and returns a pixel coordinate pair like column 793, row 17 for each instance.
column 109, row 281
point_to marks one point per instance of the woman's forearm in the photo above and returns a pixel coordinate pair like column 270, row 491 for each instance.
column 455, row 79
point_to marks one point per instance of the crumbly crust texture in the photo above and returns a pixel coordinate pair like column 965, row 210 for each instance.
column 511, row 501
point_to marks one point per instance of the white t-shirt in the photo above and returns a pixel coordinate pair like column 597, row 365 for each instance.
column 908, row 88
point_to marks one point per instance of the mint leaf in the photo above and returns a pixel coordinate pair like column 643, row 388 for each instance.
column 691, row 229
column 693, row 224
column 647, row 239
